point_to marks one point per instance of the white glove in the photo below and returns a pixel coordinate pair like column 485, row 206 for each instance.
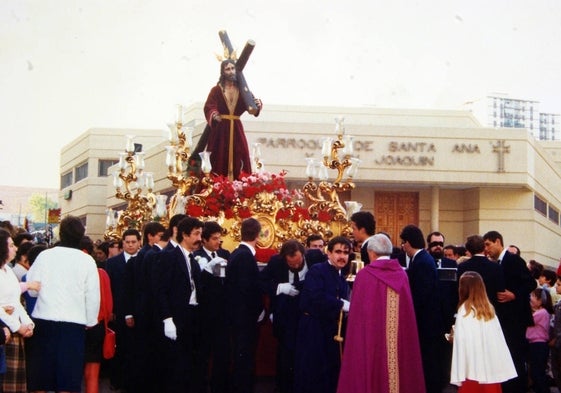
column 293, row 291
column 346, row 305
column 213, row 262
column 261, row 316
column 287, row 288
column 169, row 329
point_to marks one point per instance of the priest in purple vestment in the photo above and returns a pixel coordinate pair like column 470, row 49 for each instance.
column 381, row 352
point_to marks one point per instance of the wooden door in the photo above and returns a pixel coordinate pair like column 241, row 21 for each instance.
column 394, row 210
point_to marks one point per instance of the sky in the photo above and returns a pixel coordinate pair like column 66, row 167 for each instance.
column 67, row 66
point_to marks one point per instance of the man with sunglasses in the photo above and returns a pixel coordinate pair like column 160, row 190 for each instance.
column 323, row 300
column 448, row 293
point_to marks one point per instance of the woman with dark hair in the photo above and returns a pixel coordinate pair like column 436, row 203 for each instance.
column 14, row 316
column 67, row 303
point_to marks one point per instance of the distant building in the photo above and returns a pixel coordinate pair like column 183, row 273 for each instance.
column 85, row 165
column 550, row 127
column 15, row 203
column 501, row 111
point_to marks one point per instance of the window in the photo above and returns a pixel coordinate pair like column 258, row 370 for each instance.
column 553, row 214
column 66, row 180
column 81, row 171
column 540, row 205
column 103, row 167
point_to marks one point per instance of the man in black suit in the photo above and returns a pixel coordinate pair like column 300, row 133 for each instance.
column 115, row 267
column 244, row 305
column 423, row 280
column 491, row 272
column 363, row 225
column 282, row 279
column 513, row 309
column 138, row 308
column 215, row 340
column 448, row 292
column 177, row 302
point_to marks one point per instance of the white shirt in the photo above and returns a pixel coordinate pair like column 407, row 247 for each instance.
column 301, row 274
column 10, row 293
column 19, row 271
column 69, row 286
column 193, row 297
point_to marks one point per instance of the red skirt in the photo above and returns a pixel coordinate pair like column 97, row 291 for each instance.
column 476, row 387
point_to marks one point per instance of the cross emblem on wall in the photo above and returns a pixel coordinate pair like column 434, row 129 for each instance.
column 501, row 149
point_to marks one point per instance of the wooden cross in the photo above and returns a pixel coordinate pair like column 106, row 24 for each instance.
column 246, row 94
column 501, row 149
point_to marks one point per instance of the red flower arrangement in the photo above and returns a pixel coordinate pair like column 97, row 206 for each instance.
column 227, row 195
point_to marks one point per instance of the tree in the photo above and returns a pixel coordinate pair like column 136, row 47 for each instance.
column 39, row 204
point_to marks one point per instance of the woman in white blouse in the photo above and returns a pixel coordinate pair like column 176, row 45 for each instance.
column 14, row 316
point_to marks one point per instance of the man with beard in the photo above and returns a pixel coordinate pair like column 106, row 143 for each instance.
column 448, row 292
column 282, row 279
column 224, row 135
column 177, row 302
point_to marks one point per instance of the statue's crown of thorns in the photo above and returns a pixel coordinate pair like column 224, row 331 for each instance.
column 227, row 55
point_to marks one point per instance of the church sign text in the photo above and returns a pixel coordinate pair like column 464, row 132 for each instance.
column 395, row 159
column 312, row 144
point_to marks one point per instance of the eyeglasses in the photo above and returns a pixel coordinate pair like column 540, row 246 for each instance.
column 434, row 244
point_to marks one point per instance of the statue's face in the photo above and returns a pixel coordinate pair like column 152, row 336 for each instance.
column 229, row 71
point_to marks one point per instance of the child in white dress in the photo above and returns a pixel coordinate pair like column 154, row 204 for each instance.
column 480, row 357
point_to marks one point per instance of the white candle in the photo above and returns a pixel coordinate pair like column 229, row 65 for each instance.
column 149, row 180
column 129, row 145
column 326, row 147
column 310, row 167
column 179, row 113
column 170, row 155
column 206, row 166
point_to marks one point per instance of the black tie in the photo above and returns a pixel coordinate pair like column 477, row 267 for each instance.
column 296, row 280
column 191, row 266
column 213, row 255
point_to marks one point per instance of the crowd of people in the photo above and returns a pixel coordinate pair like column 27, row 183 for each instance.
column 424, row 317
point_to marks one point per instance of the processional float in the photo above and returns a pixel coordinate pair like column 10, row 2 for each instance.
column 284, row 214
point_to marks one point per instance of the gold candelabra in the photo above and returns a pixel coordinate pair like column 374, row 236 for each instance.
column 324, row 196
column 188, row 186
column 134, row 186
